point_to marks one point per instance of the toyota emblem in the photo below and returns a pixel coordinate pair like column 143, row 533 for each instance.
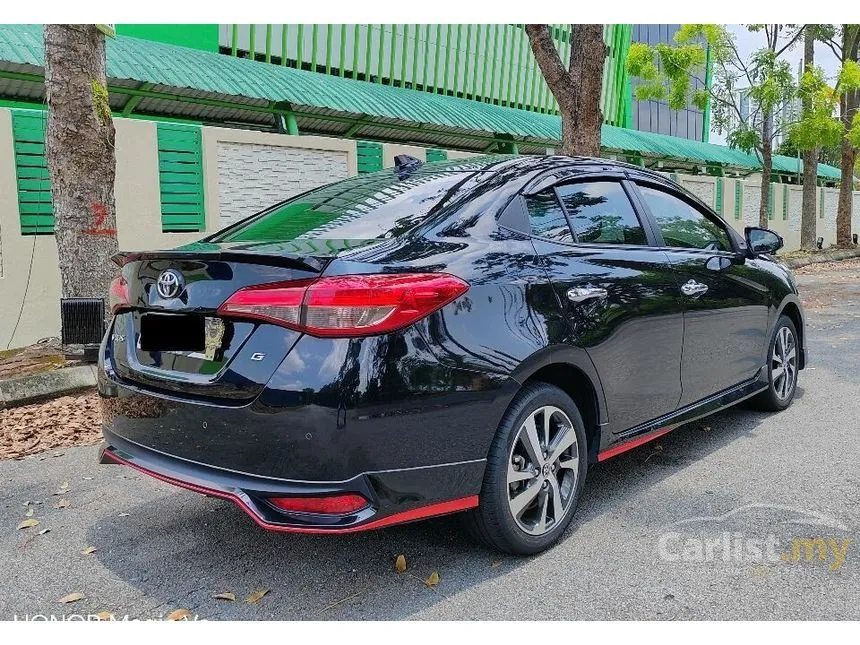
column 170, row 284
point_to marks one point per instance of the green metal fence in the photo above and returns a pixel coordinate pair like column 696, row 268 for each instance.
column 488, row 63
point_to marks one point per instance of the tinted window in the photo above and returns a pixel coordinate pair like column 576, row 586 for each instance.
column 682, row 225
column 547, row 217
column 372, row 206
column 600, row 212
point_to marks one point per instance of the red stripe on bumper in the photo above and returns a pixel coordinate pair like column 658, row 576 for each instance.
column 423, row 512
column 633, row 443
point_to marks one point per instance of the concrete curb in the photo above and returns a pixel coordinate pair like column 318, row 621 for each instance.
column 47, row 385
column 826, row 256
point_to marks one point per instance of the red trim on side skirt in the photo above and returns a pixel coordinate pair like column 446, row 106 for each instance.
column 431, row 510
column 633, row 443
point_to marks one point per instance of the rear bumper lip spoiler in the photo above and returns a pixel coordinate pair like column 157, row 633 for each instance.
column 363, row 520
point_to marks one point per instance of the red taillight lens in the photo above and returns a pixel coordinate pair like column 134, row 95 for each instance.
column 350, row 305
column 118, row 296
column 332, row 505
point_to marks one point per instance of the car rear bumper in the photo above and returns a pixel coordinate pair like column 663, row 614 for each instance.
column 394, row 496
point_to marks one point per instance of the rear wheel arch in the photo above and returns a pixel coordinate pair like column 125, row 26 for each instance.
column 581, row 384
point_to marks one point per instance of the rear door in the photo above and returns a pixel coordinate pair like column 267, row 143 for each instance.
column 618, row 292
column 726, row 305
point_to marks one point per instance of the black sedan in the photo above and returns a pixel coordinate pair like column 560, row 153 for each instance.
column 456, row 336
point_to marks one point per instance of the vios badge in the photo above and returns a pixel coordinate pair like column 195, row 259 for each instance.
column 170, row 284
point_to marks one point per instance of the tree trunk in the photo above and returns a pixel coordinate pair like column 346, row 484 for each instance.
column 849, row 104
column 577, row 91
column 766, row 168
column 846, row 196
column 810, row 158
column 79, row 147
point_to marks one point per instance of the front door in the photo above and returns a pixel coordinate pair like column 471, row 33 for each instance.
column 618, row 292
column 725, row 303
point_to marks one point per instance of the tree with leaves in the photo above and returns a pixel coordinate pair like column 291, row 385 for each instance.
column 577, row 88
column 845, row 45
column 79, row 147
column 831, row 122
column 666, row 72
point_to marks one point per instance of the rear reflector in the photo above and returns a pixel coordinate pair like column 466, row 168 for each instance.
column 349, row 305
column 332, row 505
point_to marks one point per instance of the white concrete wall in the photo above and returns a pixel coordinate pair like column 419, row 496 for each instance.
column 253, row 170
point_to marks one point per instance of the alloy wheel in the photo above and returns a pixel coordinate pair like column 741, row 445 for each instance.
column 543, row 466
column 784, row 364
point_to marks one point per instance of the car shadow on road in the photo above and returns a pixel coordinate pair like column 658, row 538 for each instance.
column 182, row 548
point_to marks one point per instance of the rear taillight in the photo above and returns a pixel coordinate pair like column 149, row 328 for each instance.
column 349, row 305
column 118, row 295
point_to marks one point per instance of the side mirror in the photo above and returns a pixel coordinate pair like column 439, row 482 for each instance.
column 761, row 241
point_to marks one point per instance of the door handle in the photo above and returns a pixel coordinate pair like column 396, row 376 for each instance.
column 693, row 288
column 581, row 294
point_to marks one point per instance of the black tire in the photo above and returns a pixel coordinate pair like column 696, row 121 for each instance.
column 493, row 522
column 770, row 400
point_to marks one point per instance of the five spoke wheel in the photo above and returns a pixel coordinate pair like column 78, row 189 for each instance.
column 543, row 467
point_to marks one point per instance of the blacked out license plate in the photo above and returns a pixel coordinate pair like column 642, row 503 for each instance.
column 172, row 333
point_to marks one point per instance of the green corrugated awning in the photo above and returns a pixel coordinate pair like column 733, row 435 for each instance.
column 320, row 100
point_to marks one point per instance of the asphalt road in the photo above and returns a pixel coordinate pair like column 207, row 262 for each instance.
column 648, row 541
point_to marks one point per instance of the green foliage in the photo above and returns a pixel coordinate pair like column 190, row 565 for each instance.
column 773, row 82
column 849, row 76
column 744, row 137
column 853, row 133
column 817, row 126
column 641, row 63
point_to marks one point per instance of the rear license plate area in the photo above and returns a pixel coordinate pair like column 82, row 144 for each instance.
column 172, row 333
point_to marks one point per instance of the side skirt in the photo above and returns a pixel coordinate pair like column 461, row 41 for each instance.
column 651, row 430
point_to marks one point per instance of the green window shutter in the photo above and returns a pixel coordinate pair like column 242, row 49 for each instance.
column 180, row 175
column 718, row 196
column 34, row 183
column 369, row 157
column 739, row 198
column 434, row 154
column 785, row 197
column 770, row 201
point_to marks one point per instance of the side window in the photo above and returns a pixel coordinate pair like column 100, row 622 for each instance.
column 601, row 212
column 682, row 225
column 547, row 217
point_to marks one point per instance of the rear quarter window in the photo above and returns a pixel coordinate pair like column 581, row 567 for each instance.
column 379, row 205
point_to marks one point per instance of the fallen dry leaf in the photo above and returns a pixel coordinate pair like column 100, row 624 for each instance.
column 179, row 614
column 88, row 550
column 105, row 615
column 256, row 596
column 433, row 580
column 29, row 513
column 72, row 597
column 43, row 531
column 225, row 595
column 63, row 503
column 400, row 563
column 26, row 524
column 496, row 563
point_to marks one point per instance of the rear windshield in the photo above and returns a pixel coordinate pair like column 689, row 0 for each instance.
column 379, row 205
